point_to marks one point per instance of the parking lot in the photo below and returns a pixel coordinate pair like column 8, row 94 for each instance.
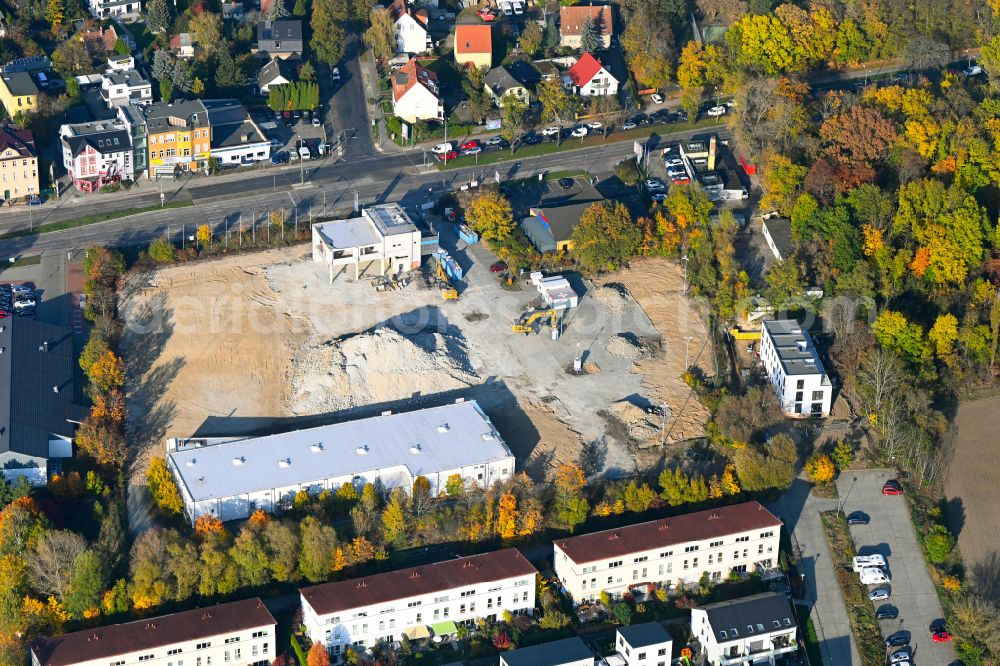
column 891, row 534
column 288, row 131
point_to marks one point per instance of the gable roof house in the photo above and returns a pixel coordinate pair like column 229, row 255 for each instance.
column 573, row 19
column 181, row 45
column 588, row 77
column 97, row 153
column 756, row 629
column 415, row 93
column 474, row 45
column 410, row 26
column 279, row 39
column 275, row 73
column 18, row 92
column 500, row 81
column 18, row 162
column 38, row 415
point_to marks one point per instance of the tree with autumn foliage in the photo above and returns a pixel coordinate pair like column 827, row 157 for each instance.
column 207, row 524
column 571, row 507
column 820, row 468
column 318, row 656
column 107, row 372
column 606, row 237
column 507, row 519
column 163, row 488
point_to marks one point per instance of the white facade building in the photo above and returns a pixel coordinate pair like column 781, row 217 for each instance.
column 751, row 630
column 646, row 644
column 232, row 477
column 741, row 537
column 98, row 153
column 589, row 78
column 795, row 369
column 125, row 9
column 419, row 601
column 410, row 26
column 120, row 87
column 241, row 633
column 383, row 234
column 415, row 94
column 567, row 652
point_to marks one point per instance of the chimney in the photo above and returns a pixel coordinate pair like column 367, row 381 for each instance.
column 55, row 389
column 45, row 346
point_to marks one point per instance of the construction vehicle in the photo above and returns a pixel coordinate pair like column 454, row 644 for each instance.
column 443, row 282
column 526, row 323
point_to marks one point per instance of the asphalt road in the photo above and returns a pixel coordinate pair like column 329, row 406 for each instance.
column 891, row 534
column 348, row 108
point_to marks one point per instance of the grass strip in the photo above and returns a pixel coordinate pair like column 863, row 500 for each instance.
column 809, row 635
column 860, row 611
column 33, row 260
column 93, row 218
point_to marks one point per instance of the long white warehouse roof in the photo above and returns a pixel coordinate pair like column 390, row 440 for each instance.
column 426, row 441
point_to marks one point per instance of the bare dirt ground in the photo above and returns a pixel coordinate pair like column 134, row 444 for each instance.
column 972, row 491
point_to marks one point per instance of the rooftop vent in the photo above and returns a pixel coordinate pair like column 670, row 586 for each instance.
column 614, row 535
column 362, row 450
column 415, row 449
column 387, row 413
column 415, row 574
column 201, row 479
column 239, row 460
column 207, row 615
column 444, row 427
column 317, row 447
column 801, row 344
column 55, row 389
column 190, row 462
column 285, row 462
column 489, row 436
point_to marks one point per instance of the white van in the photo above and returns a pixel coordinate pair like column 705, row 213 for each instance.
column 873, row 576
column 862, row 561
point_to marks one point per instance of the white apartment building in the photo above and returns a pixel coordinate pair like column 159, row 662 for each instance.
column 125, row 9
column 241, row 633
column 231, row 477
column 382, row 233
column 751, row 630
column 120, row 87
column 646, row 644
column 418, row 602
column 794, row 369
column 742, row 538
column 98, row 153
column 567, row 652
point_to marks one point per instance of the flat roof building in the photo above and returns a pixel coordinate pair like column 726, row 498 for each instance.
column 646, row 644
column 567, row 652
column 418, row 602
column 795, row 370
column 241, row 633
column 778, row 235
column 741, row 537
column 383, row 233
column 231, row 477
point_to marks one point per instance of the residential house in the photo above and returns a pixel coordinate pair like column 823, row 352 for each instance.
column 567, row 652
column 419, row 601
column 588, row 78
column 120, row 63
column 646, row 644
column 125, row 87
column 18, row 163
column 546, row 69
column 231, row 477
column 133, row 120
column 241, row 633
column 279, row 39
column 794, row 369
column 234, row 11
column 410, row 26
column 752, row 630
column 778, row 235
column 275, row 73
column 415, row 93
column 681, row 549
column 29, row 64
column 178, row 137
column 38, row 417
column 474, row 45
column 122, row 9
column 182, row 45
column 573, row 19
column 98, row 153
column 236, row 138
column 18, row 92
column 500, row 82
column 550, row 223
column 723, row 185
column 99, row 41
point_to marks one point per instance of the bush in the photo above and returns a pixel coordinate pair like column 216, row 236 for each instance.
column 820, row 468
column 628, row 171
column 939, row 544
column 161, row 251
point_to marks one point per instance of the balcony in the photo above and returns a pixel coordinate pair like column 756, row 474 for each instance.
column 756, row 656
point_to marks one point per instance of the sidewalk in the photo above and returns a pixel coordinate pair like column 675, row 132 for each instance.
column 369, row 77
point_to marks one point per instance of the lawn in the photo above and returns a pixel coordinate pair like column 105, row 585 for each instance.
column 33, row 260
column 809, row 635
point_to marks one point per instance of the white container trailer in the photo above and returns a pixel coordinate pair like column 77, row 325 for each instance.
column 556, row 291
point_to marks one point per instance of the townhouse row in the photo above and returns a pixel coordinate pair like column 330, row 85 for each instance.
column 432, row 600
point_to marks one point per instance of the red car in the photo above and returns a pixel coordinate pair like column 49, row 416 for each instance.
column 498, row 267
column 470, row 144
column 892, row 487
column 941, row 636
column 450, row 155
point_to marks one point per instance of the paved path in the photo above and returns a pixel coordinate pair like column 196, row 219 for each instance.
column 891, row 534
column 800, row 510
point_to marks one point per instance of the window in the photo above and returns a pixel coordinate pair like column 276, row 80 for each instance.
column 234, row 639
column 742, row 538
column 145, row 657
column 641, row 559
column 817, row 395
column 174, row 651
column 715, row 544
column 612, row 565
column 120, row 662
column 662, row 652
column 723, row 635
column 800, row 384
column 258, row 634
column 236, row 654
column 765, row 535
column 685, row 565
column 777, row 625
column 666, row 553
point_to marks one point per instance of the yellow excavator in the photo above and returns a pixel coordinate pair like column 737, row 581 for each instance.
column 525, row 323
column 448, row 292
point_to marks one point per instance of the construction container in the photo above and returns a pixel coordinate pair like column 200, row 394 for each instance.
column 467, row 234
column 449, row 264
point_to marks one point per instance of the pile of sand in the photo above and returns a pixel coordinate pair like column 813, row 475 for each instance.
column 643, row 427
column 375, row 367
column 614, row 296
column 625, row 347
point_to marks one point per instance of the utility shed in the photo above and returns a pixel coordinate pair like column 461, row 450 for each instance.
column 230, row 477
column 556, row 291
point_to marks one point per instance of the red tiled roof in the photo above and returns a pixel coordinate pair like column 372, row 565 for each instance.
column 410, row 75
column 404, row 583
column 571, row 19
column 116, row 639
column 584, row 70
column 400, row 7
column 473, row 39
column 697, row 526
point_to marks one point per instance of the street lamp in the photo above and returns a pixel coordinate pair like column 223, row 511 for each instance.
column 687, row 342
column 685, row 258
column 842, row 502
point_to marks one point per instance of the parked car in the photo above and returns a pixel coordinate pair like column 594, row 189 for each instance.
column 655, row 185
column 678, row 116
column 881, row 594
column 474, row 143
column 903, row 654
column 858, row 518
column 886, row 612
column 595, row 125
column 680, row 180
column 673, row 163
column 494, row 141
column 629, row 125
column 973, row 70
column 566, row 183
column 448, row 155
column 657, row 98
column 716, row 111
column 27, row 302
column 941, row 636
column 550, row 131
column 443, row 148
column 17, row 289
column 475, row 150
column 35, row 201
column 579, row 132
column 531, row 139
column 897, row 639
column 316, row 121
column 498, row 267
column 658, row 196
column 892, row 487
column 279, row 158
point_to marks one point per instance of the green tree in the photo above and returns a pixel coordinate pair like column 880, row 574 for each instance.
column 491, row 215
column 574, row 512
column 785, row 286
column 474, row 85
column 606, row 237
column 55, row 12
column 157, row 16
column 895, row 332
column 316, row 553
column 250, row 553
column 300, row 9
column 674, row 486
column 276, row 10
column 556, row 101
column 328, row 33
column 161, row 250
column 781, row 181
column 513, row 113
column 283, row 549
column 590, row 39
column 622, row 614
column 842, row 455
column 381, row 37
column 638, row 498
column 939, row 544
column 531, row 38
column 454, row 485
column 88, row 582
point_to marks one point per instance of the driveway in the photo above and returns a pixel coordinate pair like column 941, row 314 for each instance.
column 800, row 512
column 891, row 534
